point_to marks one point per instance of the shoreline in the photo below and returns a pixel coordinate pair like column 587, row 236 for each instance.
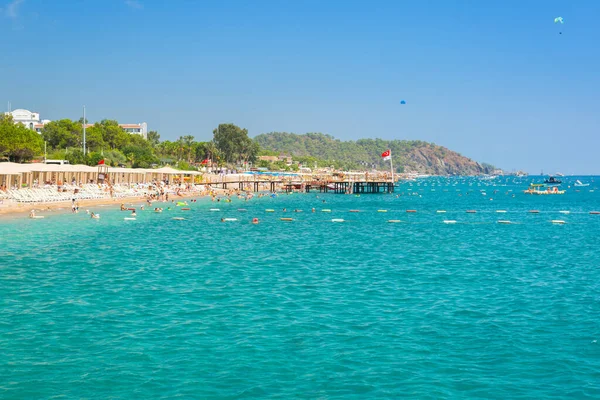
column 21, row 210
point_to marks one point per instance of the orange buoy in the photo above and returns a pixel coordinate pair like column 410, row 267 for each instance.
column 285, row 219
column 595, row 212
column 411, row 211
column 255, row 220
column 185, row 209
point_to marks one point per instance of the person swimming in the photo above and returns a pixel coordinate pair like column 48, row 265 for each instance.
column 133, row 214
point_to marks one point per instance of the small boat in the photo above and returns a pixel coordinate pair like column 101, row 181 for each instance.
column 578, row 183
column 552, row 181
column 536, row 188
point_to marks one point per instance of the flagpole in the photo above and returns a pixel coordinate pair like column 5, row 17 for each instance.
column 84, row 131
column 391, row 166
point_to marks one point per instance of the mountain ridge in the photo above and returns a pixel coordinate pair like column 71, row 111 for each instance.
column 408, row 155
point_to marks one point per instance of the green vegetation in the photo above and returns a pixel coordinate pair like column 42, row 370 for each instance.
column 230, row 146
column 408, row 155
column 106, row 140
column 17, row 143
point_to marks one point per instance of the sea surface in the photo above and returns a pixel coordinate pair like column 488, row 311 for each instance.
column 159, row 308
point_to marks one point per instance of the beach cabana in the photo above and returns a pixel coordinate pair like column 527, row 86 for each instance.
column 128, row 175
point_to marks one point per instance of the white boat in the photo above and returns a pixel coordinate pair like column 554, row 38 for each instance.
column 537, row 188
column 578, row 183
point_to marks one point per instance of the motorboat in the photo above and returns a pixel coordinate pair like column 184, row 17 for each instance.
column 552, row 181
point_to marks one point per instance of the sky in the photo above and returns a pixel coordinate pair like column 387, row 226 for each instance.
column 493, row 80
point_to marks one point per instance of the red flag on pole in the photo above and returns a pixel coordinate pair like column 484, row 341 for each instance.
column 101, row 162
column 386, row 155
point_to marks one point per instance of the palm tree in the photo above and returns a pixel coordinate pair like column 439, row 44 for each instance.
column 189, row 142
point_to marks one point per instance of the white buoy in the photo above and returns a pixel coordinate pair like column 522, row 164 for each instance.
column 129, row 219
column 501, row 211
column 449, row 221
column 215, row 209
column 503, row 221
column 565, row 212
column 558, row 221
column 337, row 220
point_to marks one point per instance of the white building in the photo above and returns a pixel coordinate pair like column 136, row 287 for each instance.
column 28, row 118
column 140, row 129
column 32, row 121
column 137, row 129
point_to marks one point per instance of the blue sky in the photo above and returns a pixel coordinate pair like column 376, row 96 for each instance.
column 492, row 80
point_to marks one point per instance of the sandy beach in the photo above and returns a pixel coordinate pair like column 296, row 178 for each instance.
column 10, row 209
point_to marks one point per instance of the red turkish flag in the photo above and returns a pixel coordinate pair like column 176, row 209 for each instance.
column 386, row 154
column 101, row 162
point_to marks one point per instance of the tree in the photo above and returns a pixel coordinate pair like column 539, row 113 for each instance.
column 93, row 138
column 140, row 157
column 93, row 158
column 153, row 138
column 62, row 134
column 75, row 156
column 112, row 134
column 17, row 142
column 188, row 142
column 232, row 141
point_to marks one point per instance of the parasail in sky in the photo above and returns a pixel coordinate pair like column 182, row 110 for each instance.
column 559, row 21
column 402, row 102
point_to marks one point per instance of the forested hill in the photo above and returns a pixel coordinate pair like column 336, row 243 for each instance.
column 408, row 155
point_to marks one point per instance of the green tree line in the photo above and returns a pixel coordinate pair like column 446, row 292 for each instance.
column 106, row 140
column 325, row 150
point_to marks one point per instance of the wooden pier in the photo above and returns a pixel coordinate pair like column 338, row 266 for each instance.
column 325, row 186
column 343, row 187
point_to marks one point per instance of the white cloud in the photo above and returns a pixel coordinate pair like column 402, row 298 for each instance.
column 134, row 4
column 12, row 8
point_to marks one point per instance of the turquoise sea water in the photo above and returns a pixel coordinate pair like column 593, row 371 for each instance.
column 160, row 308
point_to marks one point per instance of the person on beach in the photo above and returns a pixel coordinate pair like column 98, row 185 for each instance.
column 123, row 207
column 32, row 214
